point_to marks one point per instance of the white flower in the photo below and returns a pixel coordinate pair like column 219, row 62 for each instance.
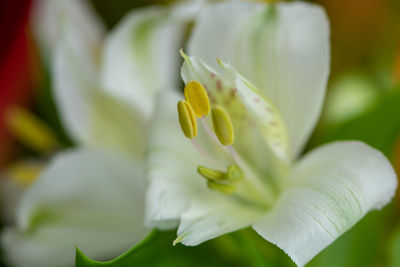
column 93, row 196
column 247, row 171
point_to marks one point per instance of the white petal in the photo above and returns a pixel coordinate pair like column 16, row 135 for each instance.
column 172, row 164
column 84, row 198
column 115, row 125
column 260, row 133
column 263, row 112
column 141, row 54
column 284, row 52
column 74, row 66
column 213, row 214
column 90, row 115
column 177, row 192
column 48, row 17
column 327, row 193
column 74, row 85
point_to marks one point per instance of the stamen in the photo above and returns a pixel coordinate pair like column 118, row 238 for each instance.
column 211, row 174
column 223, row 188
column 187, row 119
column 197, row 97
column 223, row 127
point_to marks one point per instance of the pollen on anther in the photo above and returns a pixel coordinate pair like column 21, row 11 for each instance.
column 196, row 95
column 187, row 119
column 223, row 126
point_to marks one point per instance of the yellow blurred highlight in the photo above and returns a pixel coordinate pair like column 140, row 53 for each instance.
column 24, row 173
column 30, row 130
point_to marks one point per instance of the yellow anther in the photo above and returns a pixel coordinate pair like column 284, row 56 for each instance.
column 223, row 127
column 187, row 119
column 223, row 188
column 234, row 173
column 197, row 97
column 30, row 130
column 210, row 174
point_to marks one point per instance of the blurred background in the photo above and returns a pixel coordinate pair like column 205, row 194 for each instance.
column 363, row 103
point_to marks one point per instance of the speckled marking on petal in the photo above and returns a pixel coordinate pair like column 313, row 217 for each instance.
column 219, row 85
column 269, row 109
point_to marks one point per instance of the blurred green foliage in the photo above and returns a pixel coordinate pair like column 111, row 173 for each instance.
column 242, row 248
column 112, row 12
column 379, row 126
column 395, row 249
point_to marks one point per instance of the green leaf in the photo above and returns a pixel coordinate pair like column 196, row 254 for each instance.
column 242, row 248
column 81, row 260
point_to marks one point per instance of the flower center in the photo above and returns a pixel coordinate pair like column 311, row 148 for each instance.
column 236, row 180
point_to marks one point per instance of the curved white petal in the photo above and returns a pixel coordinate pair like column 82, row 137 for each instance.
column 213, row 214
column 74, row 64
column 48, row 17
column 327, row 193
column 177, row 193
column 90, row 115
column 116, row 126
column 283, row 51
column 172, row 164
column 262, row 112
column 85, row 198
column 141, row 57
column 74, row 85
column 260, row 133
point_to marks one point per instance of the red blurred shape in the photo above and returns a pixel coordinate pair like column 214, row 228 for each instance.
column 16, row 63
